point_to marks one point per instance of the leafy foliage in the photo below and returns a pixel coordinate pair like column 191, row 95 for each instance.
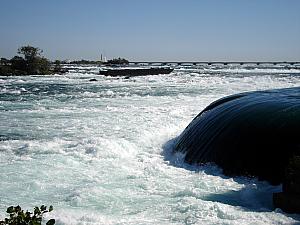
column 18, row 217
column 30, row 53
column 35, row 63
column 30, row 63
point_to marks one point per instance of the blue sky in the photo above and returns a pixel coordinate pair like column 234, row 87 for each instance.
column 188, row 30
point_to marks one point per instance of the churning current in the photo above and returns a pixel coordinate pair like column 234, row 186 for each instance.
column 101, row 152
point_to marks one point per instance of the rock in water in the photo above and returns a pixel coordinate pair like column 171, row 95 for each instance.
column 252, row 134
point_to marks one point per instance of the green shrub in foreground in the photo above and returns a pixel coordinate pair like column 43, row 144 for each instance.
column 18, row 217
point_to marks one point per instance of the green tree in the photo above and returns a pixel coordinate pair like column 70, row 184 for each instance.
column 35, row 62
column 30, row 53
column 29, row 62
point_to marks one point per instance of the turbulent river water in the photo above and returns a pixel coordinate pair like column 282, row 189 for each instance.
column 101, row 152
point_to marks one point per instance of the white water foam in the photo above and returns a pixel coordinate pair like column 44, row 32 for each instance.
column 100, row 152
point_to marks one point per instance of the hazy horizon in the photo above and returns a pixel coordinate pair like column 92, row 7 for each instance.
column 154, row 30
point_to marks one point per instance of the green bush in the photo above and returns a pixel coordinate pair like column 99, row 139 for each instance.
column 18, row 217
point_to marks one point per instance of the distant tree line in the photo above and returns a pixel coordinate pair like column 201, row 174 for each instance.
column 118, row 61
column 30, row 61
column 115, row 61
column 84, row 61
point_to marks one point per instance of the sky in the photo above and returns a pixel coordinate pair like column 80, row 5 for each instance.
column 153, row 30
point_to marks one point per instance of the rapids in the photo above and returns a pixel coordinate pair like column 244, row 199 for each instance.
column 100, row 152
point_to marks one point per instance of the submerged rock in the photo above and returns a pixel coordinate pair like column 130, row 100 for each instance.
column 252, row 134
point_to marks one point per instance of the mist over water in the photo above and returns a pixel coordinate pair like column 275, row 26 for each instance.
column 100, row 152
